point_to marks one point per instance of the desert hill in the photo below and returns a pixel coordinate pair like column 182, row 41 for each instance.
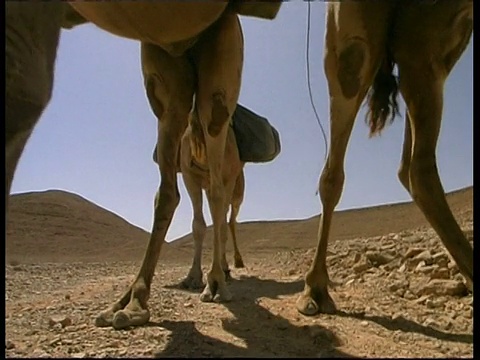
column 264, row 236
column 58, row 226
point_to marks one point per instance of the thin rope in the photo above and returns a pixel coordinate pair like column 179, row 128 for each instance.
column 310, row 85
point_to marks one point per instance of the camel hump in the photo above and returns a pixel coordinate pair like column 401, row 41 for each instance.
column 261, row 9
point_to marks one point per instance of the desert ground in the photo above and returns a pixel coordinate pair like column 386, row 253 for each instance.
column 398, row 292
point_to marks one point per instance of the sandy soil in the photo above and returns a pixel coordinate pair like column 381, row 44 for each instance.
column 398, row 292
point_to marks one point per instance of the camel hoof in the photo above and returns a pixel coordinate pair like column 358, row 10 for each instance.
column 309, row 306
column 124, row 319
column 104, row 319
column 221, row 293
column 206, row 295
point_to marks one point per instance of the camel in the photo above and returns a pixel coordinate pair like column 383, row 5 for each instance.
column 364, row 40
column 194, row 171
column 202, row 54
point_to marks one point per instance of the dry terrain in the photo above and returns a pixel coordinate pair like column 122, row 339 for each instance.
column 397, row 291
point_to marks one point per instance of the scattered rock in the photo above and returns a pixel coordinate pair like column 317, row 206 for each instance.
column 431, row 322
column 441, row 259
column 435, row 303
column 443, row 287
column 402, row 268
column 378, row 258
column 413, row 251
column 63, row 320
column 356, row 257
column 440, row 273
column 400, row 284
column 424, row 256
column 361, row 266
column 9, row 345
column 413, row 238
column 409, row 295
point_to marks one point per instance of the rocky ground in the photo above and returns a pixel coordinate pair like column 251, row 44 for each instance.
column 398, row 295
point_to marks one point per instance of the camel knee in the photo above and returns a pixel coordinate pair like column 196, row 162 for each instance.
column 166, row 200
column 199, row 227
column 351, row 62
column 331, row 184
column 220, row 114
column 422, row 171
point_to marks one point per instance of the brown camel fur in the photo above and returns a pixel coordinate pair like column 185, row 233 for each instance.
column 364, row 39
column 363, row 42
column 202, row 54
column 194, row 171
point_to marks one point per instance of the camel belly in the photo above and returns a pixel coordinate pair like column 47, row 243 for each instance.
column 156, row 22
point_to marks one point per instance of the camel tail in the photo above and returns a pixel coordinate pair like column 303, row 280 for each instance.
column 382, row 98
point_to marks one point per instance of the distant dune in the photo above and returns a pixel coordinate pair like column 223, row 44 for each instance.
column 57, row 226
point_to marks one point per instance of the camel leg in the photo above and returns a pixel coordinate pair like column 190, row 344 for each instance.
column 219, row 63
column 32, row 31
column 421, row 84
column 350, row 64
column 424, row 182
column 237, row 199
column 194, row 189
column 404, row 170
column 169, row 87
column 223, row 243
column 229, row 189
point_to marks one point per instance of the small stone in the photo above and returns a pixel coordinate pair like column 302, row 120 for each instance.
column 441, row 259
column 356, row 257
column 440, row 273
column 422, row 299
column 55, row 341
column 419, row 265
column 399, row 284
column 409, row 295
column 469, row 313
column 424, row 256
column 426, row 269
column 364, row 323
column 387, row 247
column 414, row 238
column 188, row 305
column 443, row 287
column 377, row 258
column 435, row 303
column 349, row 282
column 402, row 268
column 67, row 297
column 361, row 267
column 452, row 266
column 413, row 251
column 9, row 345
column 78, row 355
column 64, row 321
column 431, row 322
column 397, row 316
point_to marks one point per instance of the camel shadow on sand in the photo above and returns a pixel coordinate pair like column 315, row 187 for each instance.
column 406, row 325
column 260, row 332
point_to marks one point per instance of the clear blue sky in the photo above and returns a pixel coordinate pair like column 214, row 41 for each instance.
column 97, row 135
